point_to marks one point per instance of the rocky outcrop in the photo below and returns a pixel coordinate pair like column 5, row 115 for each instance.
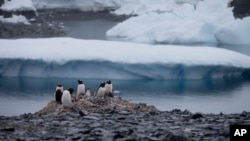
column 241, row 8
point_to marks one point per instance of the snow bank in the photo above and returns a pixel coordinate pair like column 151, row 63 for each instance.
column 67, row 57
column 14, row 19
column 184, row 25
column 18, row 5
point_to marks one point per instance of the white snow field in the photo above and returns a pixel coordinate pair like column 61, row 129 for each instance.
column 68, row 57
column 209, row 22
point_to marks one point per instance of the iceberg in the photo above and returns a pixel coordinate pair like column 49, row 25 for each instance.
column 235, row 32
column 75, row 58
column 206, row 23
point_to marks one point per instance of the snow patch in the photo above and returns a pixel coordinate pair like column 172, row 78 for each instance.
column 15, row 19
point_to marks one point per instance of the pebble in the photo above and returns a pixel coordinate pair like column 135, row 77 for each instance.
column 121, row 126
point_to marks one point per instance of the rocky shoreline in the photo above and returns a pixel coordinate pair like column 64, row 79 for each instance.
column 49, row 23
column 118, row 120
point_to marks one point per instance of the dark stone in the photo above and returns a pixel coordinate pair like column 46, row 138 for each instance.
column 10, row 129
column 241, row 8
column 197, row 115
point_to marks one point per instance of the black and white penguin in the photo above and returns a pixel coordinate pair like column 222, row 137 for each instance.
column 66, row 98
column 80, row 89
column 101, row 90
column 109, row 89
column 58, row 93
column 67, row 101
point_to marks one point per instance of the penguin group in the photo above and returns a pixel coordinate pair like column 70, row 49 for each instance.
column 66, row 97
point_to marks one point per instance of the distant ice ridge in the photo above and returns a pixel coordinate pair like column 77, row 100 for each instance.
column 68, row 57
column 210, row 22
column 119, row 7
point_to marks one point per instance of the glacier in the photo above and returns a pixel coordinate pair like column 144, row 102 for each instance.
column 75, row 58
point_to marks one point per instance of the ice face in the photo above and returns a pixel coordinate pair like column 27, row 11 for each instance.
column 106, row 70
column 68, row 57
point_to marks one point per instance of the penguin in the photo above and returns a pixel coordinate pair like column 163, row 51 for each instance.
column 66, row 98
column 109, row 89
column 58, row 93
column 101, row 90
column 80, row 89
column 87, row 92
column 67, row 101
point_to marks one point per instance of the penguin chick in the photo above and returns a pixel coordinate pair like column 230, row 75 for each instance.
column 80, row 89
column 87, row 92
column 109, row 89
column 58, row 93
column 101, row 90
column 66, row 98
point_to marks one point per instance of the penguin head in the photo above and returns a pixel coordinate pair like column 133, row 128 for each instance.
column 79, row 81
column 71, row 90
column 102, row 84
column 59, row 85
column 108, row 82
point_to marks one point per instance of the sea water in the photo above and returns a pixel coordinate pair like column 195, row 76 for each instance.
column 25, row 95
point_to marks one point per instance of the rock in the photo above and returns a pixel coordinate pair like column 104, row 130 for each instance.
column 8, row 129
column 197, row 115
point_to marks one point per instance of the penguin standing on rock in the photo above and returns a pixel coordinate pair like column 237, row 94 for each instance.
column 67, row 101
column 66, row 98
column 80, row 89
column 109, row 89
column 101, row 90
column 58, row 93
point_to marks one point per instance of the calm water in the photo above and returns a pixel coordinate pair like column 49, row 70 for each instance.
column 22, row 95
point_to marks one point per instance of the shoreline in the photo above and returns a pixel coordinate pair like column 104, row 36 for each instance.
column 49, row 23
column 121, row 121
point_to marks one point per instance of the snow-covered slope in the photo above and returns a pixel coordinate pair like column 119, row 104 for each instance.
column 67, row 57
column 207, row 23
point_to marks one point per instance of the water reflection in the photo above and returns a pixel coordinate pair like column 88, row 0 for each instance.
column 31, row 94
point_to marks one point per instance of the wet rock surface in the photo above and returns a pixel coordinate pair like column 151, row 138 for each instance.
column 119, row 124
